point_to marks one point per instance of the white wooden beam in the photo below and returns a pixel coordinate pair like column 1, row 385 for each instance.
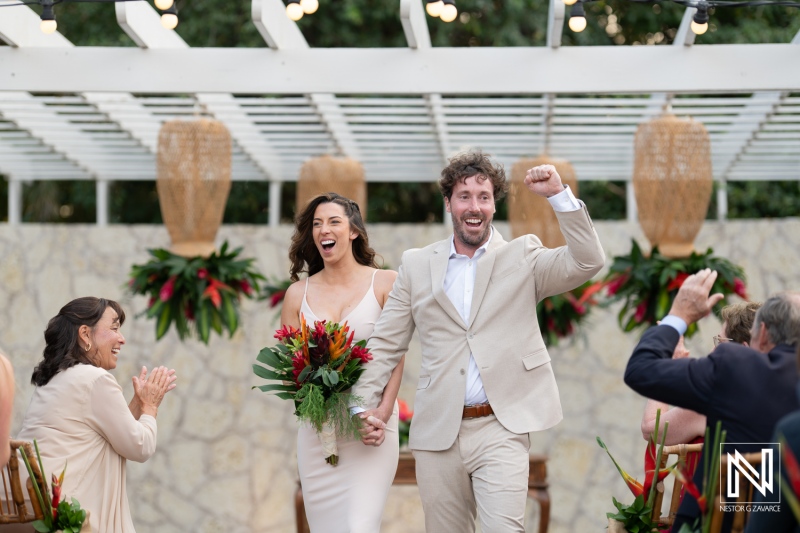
column 142, row 23
column 555, row 23
column 588, row 69
column 685, row 35
column 14, row 201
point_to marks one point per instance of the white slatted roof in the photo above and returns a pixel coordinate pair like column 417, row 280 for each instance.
column 86, row 127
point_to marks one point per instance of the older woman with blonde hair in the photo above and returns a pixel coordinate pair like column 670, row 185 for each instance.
column 79, row 417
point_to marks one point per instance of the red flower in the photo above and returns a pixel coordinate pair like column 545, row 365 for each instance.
column 212, row 291
column 677, row 282
column 616, row 284
column 276, row 298
column 298, row 364
column 319, row 330
column 286, row 332
column 131, row 282
column 361, row 353
column 405, row 413
column 202, row 273
column 246, row 288
column 739, row 288
column 580, row 309
column 683, row 475
column 151, row 302
column 189, row 312
column 641, row 311
column 168, row 289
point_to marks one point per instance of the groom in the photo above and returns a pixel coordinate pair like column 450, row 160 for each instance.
column 485, row 379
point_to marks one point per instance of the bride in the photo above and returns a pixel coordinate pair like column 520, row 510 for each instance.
column 343, row 285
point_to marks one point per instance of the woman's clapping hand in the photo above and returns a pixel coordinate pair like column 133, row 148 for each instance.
column 150, row 390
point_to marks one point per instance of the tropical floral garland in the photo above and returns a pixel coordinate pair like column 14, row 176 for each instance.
column 647, row 285
column 195, row 291
column 561, row 314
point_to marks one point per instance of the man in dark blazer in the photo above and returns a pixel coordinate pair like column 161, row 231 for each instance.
column 748, row 389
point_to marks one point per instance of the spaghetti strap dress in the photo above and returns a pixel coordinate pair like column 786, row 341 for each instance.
column 350, row 497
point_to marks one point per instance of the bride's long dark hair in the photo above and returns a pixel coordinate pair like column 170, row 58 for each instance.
column 303, row 252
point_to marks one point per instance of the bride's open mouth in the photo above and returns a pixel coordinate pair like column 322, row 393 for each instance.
column 327, row 244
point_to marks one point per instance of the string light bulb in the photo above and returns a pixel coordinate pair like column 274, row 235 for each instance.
column 434, row 7
column 700, row 19
column 163, row 5
column 294, row 10
column 577, row 18
column 449, row 11
column 569, row 2
column 48, row 24
column 169, row 18
column 309, row 6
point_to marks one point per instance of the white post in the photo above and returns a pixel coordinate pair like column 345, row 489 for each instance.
column 630, row 202
column 101, row 198
column 275, row 188
column 722, row 200
column 14, row 201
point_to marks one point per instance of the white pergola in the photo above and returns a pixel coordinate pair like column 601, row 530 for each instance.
column 93, row 113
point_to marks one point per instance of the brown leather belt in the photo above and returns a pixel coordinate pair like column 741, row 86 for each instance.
column 477, row 411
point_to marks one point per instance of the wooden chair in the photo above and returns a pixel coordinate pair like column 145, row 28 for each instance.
column 668, row 456
column 13, row 506
column 741, row 509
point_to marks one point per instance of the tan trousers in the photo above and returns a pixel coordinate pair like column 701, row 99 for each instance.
column 485, row 471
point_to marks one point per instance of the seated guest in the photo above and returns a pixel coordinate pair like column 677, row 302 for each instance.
column 687, row 426
column 783, row 521
column 748, row 389
column 79, row 417
column 6, row 405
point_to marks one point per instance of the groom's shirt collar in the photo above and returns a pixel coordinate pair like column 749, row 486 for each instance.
column 479, row 252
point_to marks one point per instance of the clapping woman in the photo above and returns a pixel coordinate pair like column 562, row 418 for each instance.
column 79, row 417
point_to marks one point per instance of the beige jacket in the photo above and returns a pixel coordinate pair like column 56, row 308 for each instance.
column 502, row 332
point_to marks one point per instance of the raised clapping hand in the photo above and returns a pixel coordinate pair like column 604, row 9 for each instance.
column 693, row 301
column 149, row 391
column 373, row 429
column 544, row 181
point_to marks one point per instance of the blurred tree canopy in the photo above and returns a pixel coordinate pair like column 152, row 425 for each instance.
column 376, row 23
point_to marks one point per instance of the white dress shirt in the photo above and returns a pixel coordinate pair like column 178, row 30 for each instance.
column 459, row 283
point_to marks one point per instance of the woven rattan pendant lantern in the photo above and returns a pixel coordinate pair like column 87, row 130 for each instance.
column 194, row 179
column 530, row 213
column 672, row 180
column 342, row 175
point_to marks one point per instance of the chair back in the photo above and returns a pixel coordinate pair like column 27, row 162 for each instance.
column 679, row 452
column 14, row 509
column 740, row 512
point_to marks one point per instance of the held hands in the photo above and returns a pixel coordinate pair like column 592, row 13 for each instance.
column 149, row 391
column 693, row 301
column 373, row 428
column 544, row 181
column 680, row 351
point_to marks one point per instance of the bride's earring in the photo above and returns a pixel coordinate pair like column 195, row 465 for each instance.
column 88, row 347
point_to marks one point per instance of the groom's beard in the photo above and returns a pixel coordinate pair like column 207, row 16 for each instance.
column 471, row 238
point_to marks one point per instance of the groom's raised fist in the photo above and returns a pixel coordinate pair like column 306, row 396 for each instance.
column 544, row 181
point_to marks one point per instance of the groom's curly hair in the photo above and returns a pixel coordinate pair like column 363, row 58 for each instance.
column 471, row 163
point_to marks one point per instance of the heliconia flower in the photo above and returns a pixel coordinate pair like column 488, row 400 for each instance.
column 212, row 291
column 683, row 476
column 189, row 312
column 405, row 413
column 650, row 466
column 57, row 482
column 168, row 289
column 641, row 311
column 286, row 332
column 636, row 488
column 361, row 353
column 590, row 291
column 580, row 309
column 677, row 282
column 739, row 288
column 202, row 273
column 151, row 302
column 246, row 288
column 276, row 298
column 613, row 286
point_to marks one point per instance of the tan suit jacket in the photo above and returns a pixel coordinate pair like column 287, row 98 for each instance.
column 502, row 331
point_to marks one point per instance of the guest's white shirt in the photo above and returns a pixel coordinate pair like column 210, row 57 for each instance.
column 459, row 283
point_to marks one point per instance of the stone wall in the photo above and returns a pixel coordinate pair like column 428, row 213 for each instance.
column 226, row 457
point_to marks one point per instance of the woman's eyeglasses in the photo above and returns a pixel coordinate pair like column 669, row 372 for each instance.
column 720, row 339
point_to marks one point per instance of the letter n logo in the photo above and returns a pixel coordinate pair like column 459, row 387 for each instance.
column 754, row 469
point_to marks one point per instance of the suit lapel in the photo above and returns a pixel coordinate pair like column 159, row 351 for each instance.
column 484, row 274
column 439, row 259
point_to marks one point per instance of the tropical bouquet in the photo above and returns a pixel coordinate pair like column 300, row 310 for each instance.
column 58, row 514
column 195, row 293
column 647, row 285
column 559, row 315
column 637, row 517
column 404, row 421
column 316, row 367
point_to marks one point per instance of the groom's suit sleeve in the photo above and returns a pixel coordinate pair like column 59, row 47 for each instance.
column 389, row 340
